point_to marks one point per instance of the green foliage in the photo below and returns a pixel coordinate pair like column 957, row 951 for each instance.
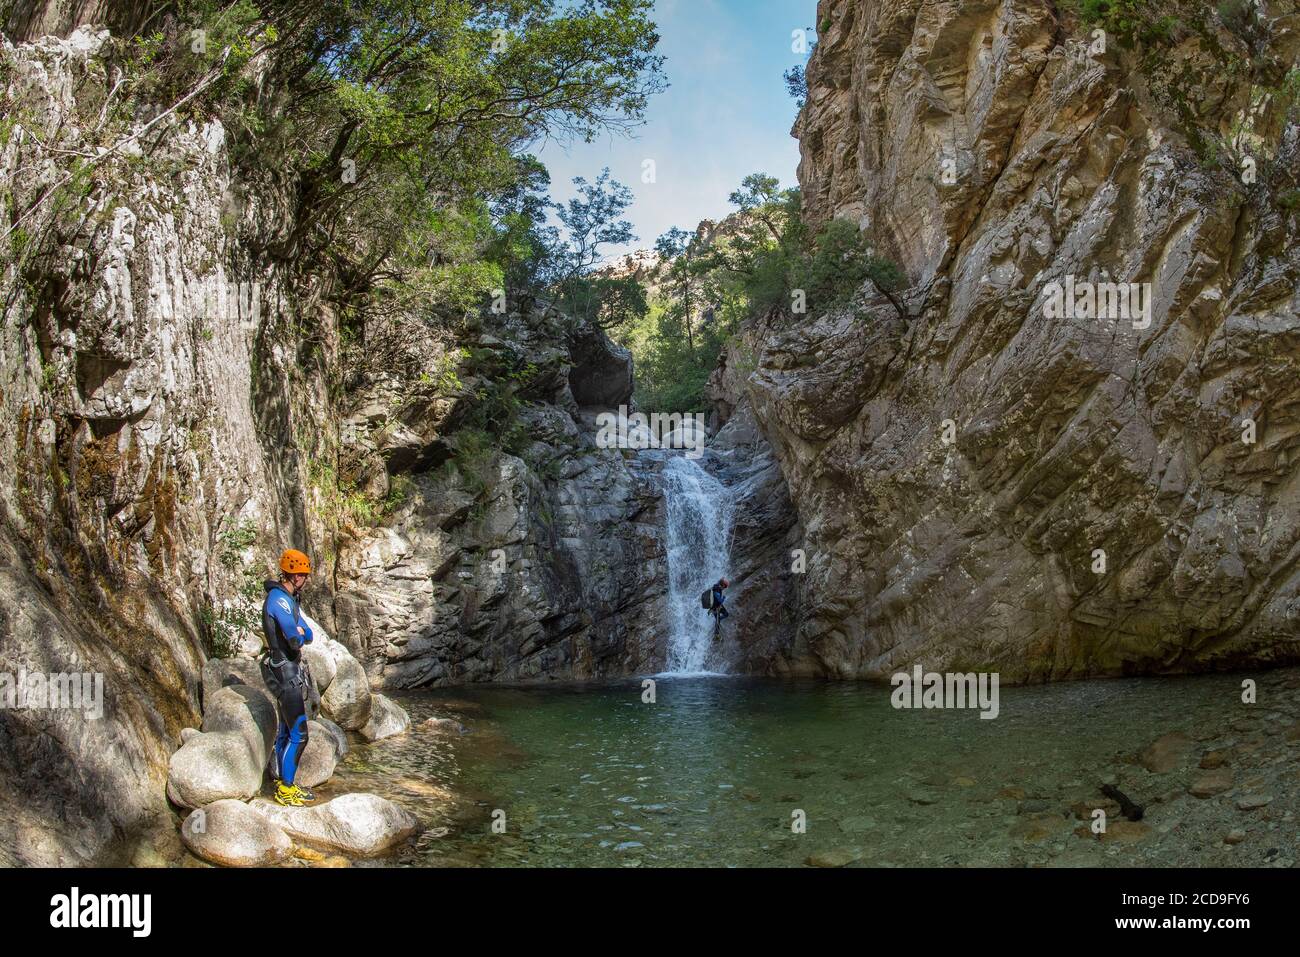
column 343, row 505
column 397, row 125
column 227, row 622
column 840, row 263
column 474, row 450
column 1186, row 47
column 1130, row 20
column 444, row 377
column 605, row 301
column 763, row 263
column 796, row 84
column 591, row 220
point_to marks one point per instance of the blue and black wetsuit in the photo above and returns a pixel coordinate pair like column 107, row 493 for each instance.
column 286, row 675
column 720, row 601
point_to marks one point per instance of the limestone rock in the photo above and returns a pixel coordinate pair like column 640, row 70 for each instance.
column 319, row 758
column 214, row 766
column 233, row 834
column 363, row 825
column 347, row 700
column 323, row 655
column 988, row 159
column 336, row 734
column 387, row 718
column 219, row 673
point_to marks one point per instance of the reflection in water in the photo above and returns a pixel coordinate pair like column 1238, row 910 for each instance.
column 713, row 771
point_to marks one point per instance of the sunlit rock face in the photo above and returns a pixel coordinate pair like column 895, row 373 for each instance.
column 993, row 482
column 154, row 402
column 172, row 415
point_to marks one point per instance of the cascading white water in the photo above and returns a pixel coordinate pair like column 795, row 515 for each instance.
column 700, row 512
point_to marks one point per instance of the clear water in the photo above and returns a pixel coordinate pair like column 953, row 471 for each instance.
column 715, row 771
column 700, row 512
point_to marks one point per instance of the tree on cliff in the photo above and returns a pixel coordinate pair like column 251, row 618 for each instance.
column 395, row 122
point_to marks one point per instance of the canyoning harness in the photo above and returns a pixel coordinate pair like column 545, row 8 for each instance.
column 713, row 599
column 283, row 668
column 284, row 677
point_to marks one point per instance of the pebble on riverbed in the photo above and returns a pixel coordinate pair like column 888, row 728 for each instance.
column 837, row 857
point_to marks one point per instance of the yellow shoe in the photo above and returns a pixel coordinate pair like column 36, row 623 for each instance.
column 304, row 793
column 288, row 795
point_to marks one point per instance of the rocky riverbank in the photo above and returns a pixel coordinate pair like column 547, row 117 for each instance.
column 221, row 769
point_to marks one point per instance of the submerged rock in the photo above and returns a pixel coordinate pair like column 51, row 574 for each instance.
column 1253, row 802
column 1165, row 753
column 1209, row 783
column 233, row 834
column 1125, row 832
column 362, row 825
column 836, row 857
column 443, row 726
column 1216, row 758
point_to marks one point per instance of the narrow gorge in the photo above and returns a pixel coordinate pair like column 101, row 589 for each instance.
column 947, row 474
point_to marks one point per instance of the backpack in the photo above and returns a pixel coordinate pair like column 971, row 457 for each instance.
column 706, row 599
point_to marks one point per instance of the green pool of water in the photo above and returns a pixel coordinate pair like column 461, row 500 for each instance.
column 720, row 771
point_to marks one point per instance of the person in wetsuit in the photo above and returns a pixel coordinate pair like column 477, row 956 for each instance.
column 719, row 611
column 286, row 673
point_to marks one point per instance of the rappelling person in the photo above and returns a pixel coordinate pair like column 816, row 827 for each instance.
column 720, row 598
column 714, row 600
column 286, row 674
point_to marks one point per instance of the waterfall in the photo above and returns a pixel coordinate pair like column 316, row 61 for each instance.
column 700, row 513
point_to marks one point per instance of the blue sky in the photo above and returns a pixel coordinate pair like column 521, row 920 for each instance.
column 725, row 114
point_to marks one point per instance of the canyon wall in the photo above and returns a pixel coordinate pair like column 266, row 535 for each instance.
column 981, row 482
column 176, row 407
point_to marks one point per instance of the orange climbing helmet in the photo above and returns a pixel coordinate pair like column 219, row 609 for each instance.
column 294, row 562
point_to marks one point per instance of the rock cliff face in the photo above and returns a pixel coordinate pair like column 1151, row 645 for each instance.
column 139, row 440
column 546, row 564
column 960, row 471
column 173, row 414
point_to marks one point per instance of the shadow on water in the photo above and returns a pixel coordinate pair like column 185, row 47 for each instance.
column 721, row 771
